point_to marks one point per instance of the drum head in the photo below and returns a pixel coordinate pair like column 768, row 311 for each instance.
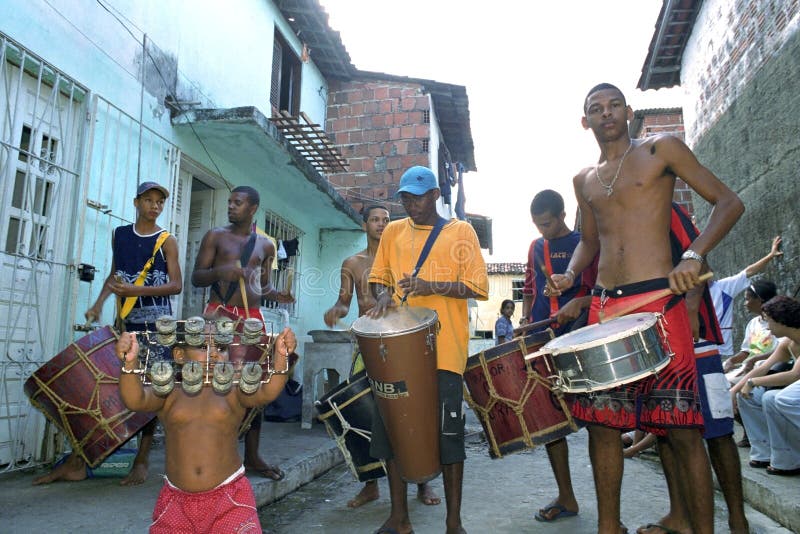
column 397, row 321
column 601, row 333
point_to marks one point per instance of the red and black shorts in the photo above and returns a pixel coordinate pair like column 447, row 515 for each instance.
column 668, row 399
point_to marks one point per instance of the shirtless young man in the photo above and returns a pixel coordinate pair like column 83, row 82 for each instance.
column 218, row 265
column 355, row 275
column 625, row 203
column 205, row 489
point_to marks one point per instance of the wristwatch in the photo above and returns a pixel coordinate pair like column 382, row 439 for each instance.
column 750, row 383
column 690, row 254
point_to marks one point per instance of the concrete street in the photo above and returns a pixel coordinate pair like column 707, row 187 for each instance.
column 500, row 496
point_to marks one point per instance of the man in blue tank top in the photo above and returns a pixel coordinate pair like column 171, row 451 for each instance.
column 132, row 246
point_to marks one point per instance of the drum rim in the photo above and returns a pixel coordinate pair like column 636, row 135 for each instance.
column 554, row 349
column 379, row 335
column 628, row 380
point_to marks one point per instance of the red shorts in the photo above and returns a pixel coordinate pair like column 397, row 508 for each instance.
column 657, row 402
column 234, row 312
column 230, row 507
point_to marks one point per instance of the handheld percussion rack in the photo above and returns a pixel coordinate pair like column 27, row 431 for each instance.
column 249, row 362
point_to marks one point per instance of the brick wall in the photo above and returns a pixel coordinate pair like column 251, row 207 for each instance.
column 656, row 121
column 380, row 127
column 732, row 40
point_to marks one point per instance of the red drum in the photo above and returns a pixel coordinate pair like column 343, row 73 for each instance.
column 399, row 352
column 512, row 397
column 78, row 391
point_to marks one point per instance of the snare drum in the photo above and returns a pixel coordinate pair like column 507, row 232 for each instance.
column 78, row 390
column 512, row 397
column 399, row 352
column 606, row 355
column 347, row 412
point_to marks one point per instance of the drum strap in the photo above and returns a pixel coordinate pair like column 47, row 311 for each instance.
column 426, row 248
column 549, row 266
column 247, row 251
column 127, row 305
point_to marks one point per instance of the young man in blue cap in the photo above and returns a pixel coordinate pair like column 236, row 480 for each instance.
column 141, row 302
column 453, row 272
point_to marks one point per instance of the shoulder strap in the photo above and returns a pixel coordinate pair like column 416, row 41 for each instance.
column 127, row 306
column 247, row 251
column 426, row 248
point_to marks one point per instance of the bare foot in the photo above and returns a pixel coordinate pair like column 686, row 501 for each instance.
column 265, row 470
column 137, row 475
column 456, row 530
column 72, row 469
column 368, row 493
column 426, row 495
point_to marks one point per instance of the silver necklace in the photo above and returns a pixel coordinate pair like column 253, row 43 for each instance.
column 610, row 187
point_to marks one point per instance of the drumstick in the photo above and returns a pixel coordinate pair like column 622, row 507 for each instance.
column 543, row 267
column 243, row 291
column 645, row 300
column 522, row 329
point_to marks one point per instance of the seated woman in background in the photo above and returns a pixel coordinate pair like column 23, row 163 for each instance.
column 771, row 415
column 758, row 342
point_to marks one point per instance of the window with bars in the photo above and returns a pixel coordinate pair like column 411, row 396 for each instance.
column 286, row 277
column 517, row 286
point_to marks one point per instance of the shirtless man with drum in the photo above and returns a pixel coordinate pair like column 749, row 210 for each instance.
column 625, row 203
column 220, row 264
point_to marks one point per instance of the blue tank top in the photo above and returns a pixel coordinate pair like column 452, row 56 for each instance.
column 131, row 252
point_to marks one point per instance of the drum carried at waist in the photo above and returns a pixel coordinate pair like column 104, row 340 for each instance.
column 512, row 397
column 78, row 391
column 348, row 411
column 606, row 355
column 399, row 352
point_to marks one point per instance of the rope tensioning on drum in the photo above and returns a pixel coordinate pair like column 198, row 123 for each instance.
column 65, row 408
column 346, row 427
column 534, row 379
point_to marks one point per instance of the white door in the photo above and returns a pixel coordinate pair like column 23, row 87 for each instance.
column 201, row 220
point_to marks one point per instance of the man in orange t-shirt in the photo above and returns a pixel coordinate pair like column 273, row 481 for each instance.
column 453, row 272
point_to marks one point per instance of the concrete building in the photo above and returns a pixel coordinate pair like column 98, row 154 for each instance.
column 198, row 97
column 739, row 64
column 506, row 281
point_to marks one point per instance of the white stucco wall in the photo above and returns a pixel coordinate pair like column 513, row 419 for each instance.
column 223, row 50
column 730, row 42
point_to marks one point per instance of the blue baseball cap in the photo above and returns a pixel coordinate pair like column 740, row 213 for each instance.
column 418, row 180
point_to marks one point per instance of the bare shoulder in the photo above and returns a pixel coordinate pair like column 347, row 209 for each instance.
column 581, row 178
column 265, row 243
column 666, row 146
column 357, row 263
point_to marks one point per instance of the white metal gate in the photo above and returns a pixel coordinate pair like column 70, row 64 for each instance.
column 63, row 187
column 42, row 117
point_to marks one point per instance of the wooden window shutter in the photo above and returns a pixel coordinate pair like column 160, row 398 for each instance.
column 277, row 64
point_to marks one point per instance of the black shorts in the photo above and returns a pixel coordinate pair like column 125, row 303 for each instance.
column 451, row 429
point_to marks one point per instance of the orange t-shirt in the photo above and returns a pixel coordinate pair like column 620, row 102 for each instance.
column 454, row 257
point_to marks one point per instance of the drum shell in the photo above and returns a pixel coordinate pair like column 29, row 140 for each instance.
column 402, row 371
column 354, row 401
column 611, row 363
column 85, row 377
column 544, row 417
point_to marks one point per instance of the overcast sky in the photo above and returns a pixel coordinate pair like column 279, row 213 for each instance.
column 527, row 66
